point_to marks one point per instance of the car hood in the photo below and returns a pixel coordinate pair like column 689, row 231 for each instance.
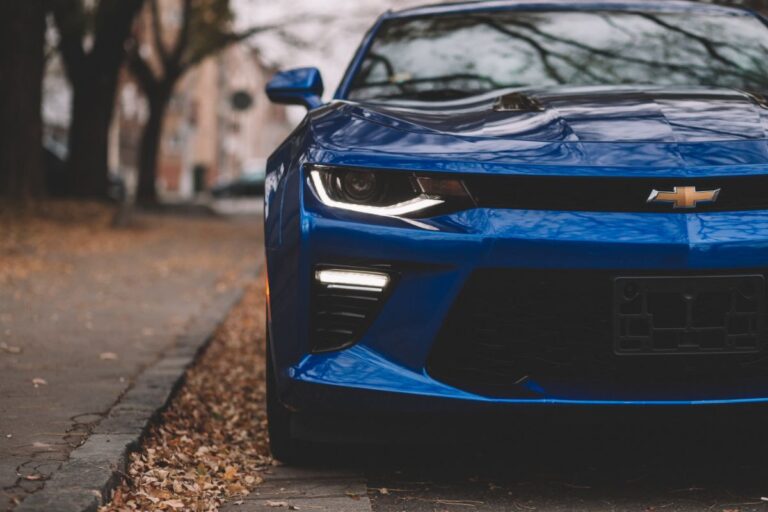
column 658, row 127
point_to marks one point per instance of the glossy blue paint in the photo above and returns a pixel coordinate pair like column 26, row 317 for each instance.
column 643, row 135
column 622, row 132
column 324, row 383
column 301, row 86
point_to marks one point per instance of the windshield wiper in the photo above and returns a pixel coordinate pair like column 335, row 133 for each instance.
column 444, row 88
column 435, row 94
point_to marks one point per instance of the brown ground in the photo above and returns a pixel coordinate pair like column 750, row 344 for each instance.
column 211, row 442
column 85, row 308
column 34, row 239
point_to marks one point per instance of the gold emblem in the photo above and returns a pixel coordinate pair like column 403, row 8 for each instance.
column 684, row 197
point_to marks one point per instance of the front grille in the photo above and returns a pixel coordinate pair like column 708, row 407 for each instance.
column 555, row 328
column 573, row 193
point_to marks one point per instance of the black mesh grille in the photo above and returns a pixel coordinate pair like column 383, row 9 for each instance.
column 509, row 327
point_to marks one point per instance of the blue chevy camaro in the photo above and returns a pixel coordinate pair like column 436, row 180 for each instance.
column 523, row 202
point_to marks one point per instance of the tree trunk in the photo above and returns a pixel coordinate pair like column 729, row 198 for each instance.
column 22, row 61
column 92, row 107
column 150, row 147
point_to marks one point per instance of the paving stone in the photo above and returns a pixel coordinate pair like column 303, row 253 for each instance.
column 113, row 302
column 310, row 488
column 322, row 489
column 330, row 504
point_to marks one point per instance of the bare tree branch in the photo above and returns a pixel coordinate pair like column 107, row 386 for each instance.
column 708, row 45
column 70, row 20
column 182, row 40
column 225, row 41
column 141, row 69
column 157, row 30
column 111, row 31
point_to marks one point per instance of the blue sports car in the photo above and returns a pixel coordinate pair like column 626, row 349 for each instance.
column 547, row 203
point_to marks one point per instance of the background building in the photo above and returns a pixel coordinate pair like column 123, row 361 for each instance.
column 206, row 139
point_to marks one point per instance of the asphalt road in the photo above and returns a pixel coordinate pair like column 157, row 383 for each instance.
column 673, row 461
column 91, row 310
column 715, row 460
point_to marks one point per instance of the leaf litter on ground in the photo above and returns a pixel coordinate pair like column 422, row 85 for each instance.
column 211, row 443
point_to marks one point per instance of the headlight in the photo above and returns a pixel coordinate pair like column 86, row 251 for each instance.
column 360, row 187
column 386, row 193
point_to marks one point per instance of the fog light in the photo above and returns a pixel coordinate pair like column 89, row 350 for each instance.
column 352, row 279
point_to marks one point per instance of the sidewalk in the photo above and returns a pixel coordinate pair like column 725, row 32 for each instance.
column 84, row 309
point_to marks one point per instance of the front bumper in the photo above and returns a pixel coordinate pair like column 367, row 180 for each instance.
column 387, row 369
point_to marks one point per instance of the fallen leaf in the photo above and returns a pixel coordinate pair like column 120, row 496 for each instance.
column 174, row 504
column 10, row 349
column 211, row 444
column 253, row 480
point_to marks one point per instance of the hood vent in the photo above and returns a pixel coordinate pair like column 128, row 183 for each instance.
column 758, row 99
column 517, row 102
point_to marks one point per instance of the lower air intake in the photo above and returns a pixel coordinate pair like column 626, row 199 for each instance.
column 517, row 332
column 344, row 303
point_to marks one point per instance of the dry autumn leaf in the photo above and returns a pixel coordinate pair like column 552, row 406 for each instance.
column 211, row 443
column 10, row 349
column 174, row 504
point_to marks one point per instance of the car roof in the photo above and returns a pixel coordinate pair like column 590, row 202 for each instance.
column 560, row 5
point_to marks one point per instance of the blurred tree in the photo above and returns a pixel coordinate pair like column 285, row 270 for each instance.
column 92, row 39
column 22, row 59
column 204, row 29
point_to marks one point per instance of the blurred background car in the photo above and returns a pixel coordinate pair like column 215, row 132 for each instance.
column 249, row 184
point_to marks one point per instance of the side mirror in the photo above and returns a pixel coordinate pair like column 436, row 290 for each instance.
column 302, row 86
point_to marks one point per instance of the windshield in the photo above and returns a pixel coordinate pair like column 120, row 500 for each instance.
column 455, row 56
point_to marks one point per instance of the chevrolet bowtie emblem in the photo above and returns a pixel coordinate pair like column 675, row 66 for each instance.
column 684, row 197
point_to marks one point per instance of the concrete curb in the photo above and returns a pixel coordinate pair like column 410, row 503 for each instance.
column 84, row 482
